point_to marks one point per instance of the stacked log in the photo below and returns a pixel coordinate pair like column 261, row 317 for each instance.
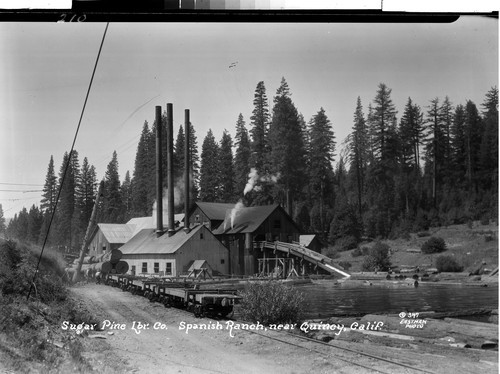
column 106, row 263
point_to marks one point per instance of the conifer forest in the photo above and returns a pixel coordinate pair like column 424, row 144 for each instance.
column 400, row 170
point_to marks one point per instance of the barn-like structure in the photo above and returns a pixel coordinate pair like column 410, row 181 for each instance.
column 172, row 255
column 242, row 227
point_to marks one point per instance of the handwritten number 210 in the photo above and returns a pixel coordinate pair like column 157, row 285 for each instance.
column 65, row 18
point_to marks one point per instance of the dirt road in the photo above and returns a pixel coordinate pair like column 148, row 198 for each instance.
column 164, row 346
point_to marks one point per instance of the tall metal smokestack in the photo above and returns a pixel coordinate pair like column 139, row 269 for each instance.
column 159, row 177
column 187, row 162
column 170, row 168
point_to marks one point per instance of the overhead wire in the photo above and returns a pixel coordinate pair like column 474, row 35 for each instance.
column 68, row 162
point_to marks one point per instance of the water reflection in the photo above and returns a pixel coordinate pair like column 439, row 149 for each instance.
column 326, row 299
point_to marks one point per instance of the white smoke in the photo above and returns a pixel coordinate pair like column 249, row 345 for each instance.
column 254, row 177
column 178, row 198
column 234, row 212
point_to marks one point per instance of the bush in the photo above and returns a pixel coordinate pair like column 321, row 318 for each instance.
column 271, row 302
column 422, row 234
column 378, row 258
column 345, row 264
column 448, row 264
column 360, row 251
column 332, row 253
column 434, row 245
column 347, row 242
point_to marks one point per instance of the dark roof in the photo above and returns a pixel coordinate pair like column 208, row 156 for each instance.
column 146, row 241
column 215, row 211
column 245, row 219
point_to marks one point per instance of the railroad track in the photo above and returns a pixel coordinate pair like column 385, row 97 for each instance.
column 331, row 350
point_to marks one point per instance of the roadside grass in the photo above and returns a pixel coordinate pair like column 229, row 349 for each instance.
column 31, row 338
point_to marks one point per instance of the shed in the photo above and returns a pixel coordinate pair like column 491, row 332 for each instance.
column 312, row 242
column 149, row 254
column 245, row 225
column 209, row 214
column 109, row 236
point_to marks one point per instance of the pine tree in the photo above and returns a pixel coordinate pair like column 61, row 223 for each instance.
column 382, row 119
column 126, row 192
column 112, row 201
column 321, row 153
column 488, row 158
column 85, row 192
column 34, row 224
column 358, row 147
column 142, row 201
column 209, row 180
column 242, row 156
column 195, row 164
column 226, row 169
column 287, row 148
column 49, row 189
column 66, row 206
column 259, row 127
column 179, row 154
column 474, row 129
column 3, row 227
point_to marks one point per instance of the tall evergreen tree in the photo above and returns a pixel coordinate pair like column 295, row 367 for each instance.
column 473, row 133
column 3, row 227
column 179, row 154
column 195, row 164
column 85, row 191
column 321, row 153
column 287, row 148
column 34, row 224
column 112, row 201
column 488, row 158
column 242, row 156
column 49, row 189
column 226, row 169
column 209, row 180
column 142, row 201
column 259, row 128
column 359, row 151
column 126, row 192
column 66, row 206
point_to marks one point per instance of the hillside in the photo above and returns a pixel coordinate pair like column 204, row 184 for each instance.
column 471, row 246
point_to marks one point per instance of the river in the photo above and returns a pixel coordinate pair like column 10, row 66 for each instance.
column 325, row 299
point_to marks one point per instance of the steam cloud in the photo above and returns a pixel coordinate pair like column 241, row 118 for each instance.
column 254, row 177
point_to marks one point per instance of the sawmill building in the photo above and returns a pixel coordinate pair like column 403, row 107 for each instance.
column 244, row 226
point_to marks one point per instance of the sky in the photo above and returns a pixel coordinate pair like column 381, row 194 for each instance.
column 213, row 70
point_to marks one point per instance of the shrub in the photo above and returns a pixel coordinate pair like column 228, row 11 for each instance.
column 347, row 242
column 434, row 245
column 345, row 264
column 360, row 251
column 271, row 302
column 422, row 234
column 332, row 253
column 378, row 258
column 448, row 264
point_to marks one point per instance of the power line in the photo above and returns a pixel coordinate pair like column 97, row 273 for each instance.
column 68, row 162
column 24, row 191
column 22, row 184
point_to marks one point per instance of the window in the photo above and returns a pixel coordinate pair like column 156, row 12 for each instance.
column 168, row 268
column 133, row 270
column 156, row 267
column 144, row 267
column 201, row 236
column 222, row 261
column 277, row 224
column 197, row 218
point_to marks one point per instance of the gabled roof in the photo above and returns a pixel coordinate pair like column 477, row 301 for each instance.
column 199, row 264
column 246, row 219
column 146, row 241
column 305, row 240
column 140, row 223
column 115, row 233
column 215, row 211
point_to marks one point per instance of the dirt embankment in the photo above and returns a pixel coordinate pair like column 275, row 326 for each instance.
column 166, row 348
